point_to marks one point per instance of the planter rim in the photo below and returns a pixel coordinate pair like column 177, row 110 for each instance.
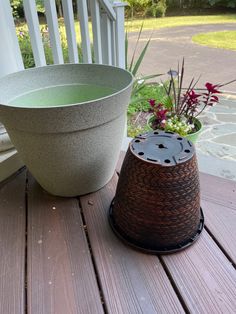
column 198, row 122
column 58, row 119
column 15, row 74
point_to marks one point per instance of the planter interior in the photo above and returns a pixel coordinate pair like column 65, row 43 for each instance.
column 67, row 122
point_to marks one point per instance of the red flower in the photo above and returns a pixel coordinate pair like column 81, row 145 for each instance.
column 192, row 97
column 161, row 114
column 152, row 102
column 212, row 88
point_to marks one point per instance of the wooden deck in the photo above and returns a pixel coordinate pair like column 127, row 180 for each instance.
column 60, row 256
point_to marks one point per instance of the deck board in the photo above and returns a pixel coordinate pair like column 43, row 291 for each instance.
column 61, row 276
column 221, row 222
column 204, row 277
column 218, row 190
column 132, row 282
column 12, row 245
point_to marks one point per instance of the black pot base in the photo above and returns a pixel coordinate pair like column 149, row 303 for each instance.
column 154, row 250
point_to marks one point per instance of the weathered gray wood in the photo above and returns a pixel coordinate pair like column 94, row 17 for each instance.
column 132, row 282
column 218, row 190
column 12, row 245
column 221, row 222
column 204, row 277
column 61, row 276
column 219, row 206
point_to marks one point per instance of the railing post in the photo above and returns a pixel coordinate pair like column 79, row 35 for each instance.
column 120, row 33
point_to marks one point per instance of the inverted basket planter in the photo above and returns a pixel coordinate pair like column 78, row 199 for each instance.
column 67, row 123
column 157, row 203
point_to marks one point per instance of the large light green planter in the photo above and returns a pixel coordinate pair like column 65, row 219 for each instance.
column 67, row 123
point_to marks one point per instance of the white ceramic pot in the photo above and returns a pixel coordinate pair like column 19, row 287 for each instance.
column 67, row 123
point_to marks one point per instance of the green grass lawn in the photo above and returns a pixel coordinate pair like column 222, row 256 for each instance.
column 157, row 23
column 223, row 39
column 152, row 23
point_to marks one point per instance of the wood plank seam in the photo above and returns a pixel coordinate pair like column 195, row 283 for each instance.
column 12, row 177
column 168, row 274
column 171, row 279
column 220, row 246
column 218, row 202
column 26, row 238
column 92, row 258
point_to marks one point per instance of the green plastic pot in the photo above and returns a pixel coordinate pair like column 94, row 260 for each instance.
column 192, row 137
column 67, row 123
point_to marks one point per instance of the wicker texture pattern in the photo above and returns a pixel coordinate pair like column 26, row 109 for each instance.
column 157, row 205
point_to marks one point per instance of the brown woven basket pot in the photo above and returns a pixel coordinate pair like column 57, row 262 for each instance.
column 157, row 203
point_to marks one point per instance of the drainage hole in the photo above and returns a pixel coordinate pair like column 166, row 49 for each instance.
column 167, row 161
column 161, row 146
column 155, row 132
column 187, row 151
column 141, row 153
column 137, row 141
column 152, row 159
column 179, row 138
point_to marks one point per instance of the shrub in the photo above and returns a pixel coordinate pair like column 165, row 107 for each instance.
column 157, row 9
column 27, row 53
column 136, row 7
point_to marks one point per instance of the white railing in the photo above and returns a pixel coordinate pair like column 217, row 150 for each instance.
column 107, row 33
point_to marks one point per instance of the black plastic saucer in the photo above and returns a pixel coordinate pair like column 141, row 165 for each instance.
column 154, row 250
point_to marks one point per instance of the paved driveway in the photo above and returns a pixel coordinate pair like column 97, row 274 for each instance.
column 169, row 45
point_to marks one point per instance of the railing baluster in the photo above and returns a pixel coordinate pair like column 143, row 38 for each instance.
column 83, row 19
column 51, row 15
column 113, row 43
column 95, row 15
column 120, row 34
column 10, row 54
column 106, row 39
column 70, row 30
column 34, row 30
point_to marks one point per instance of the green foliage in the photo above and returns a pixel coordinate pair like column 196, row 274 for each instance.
column 17, row 8
column 135, row 63
column 136, row 7
column 133, row 130
column 157, row 9
column 146, row 92
column 139, row 83
column 223, row 3
column 198, row 4
column 223, row 39
column 27, row 53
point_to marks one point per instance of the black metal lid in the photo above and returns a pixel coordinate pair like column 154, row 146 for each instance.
column 162, row 147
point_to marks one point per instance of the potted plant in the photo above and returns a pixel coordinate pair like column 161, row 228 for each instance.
column 180, row 108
